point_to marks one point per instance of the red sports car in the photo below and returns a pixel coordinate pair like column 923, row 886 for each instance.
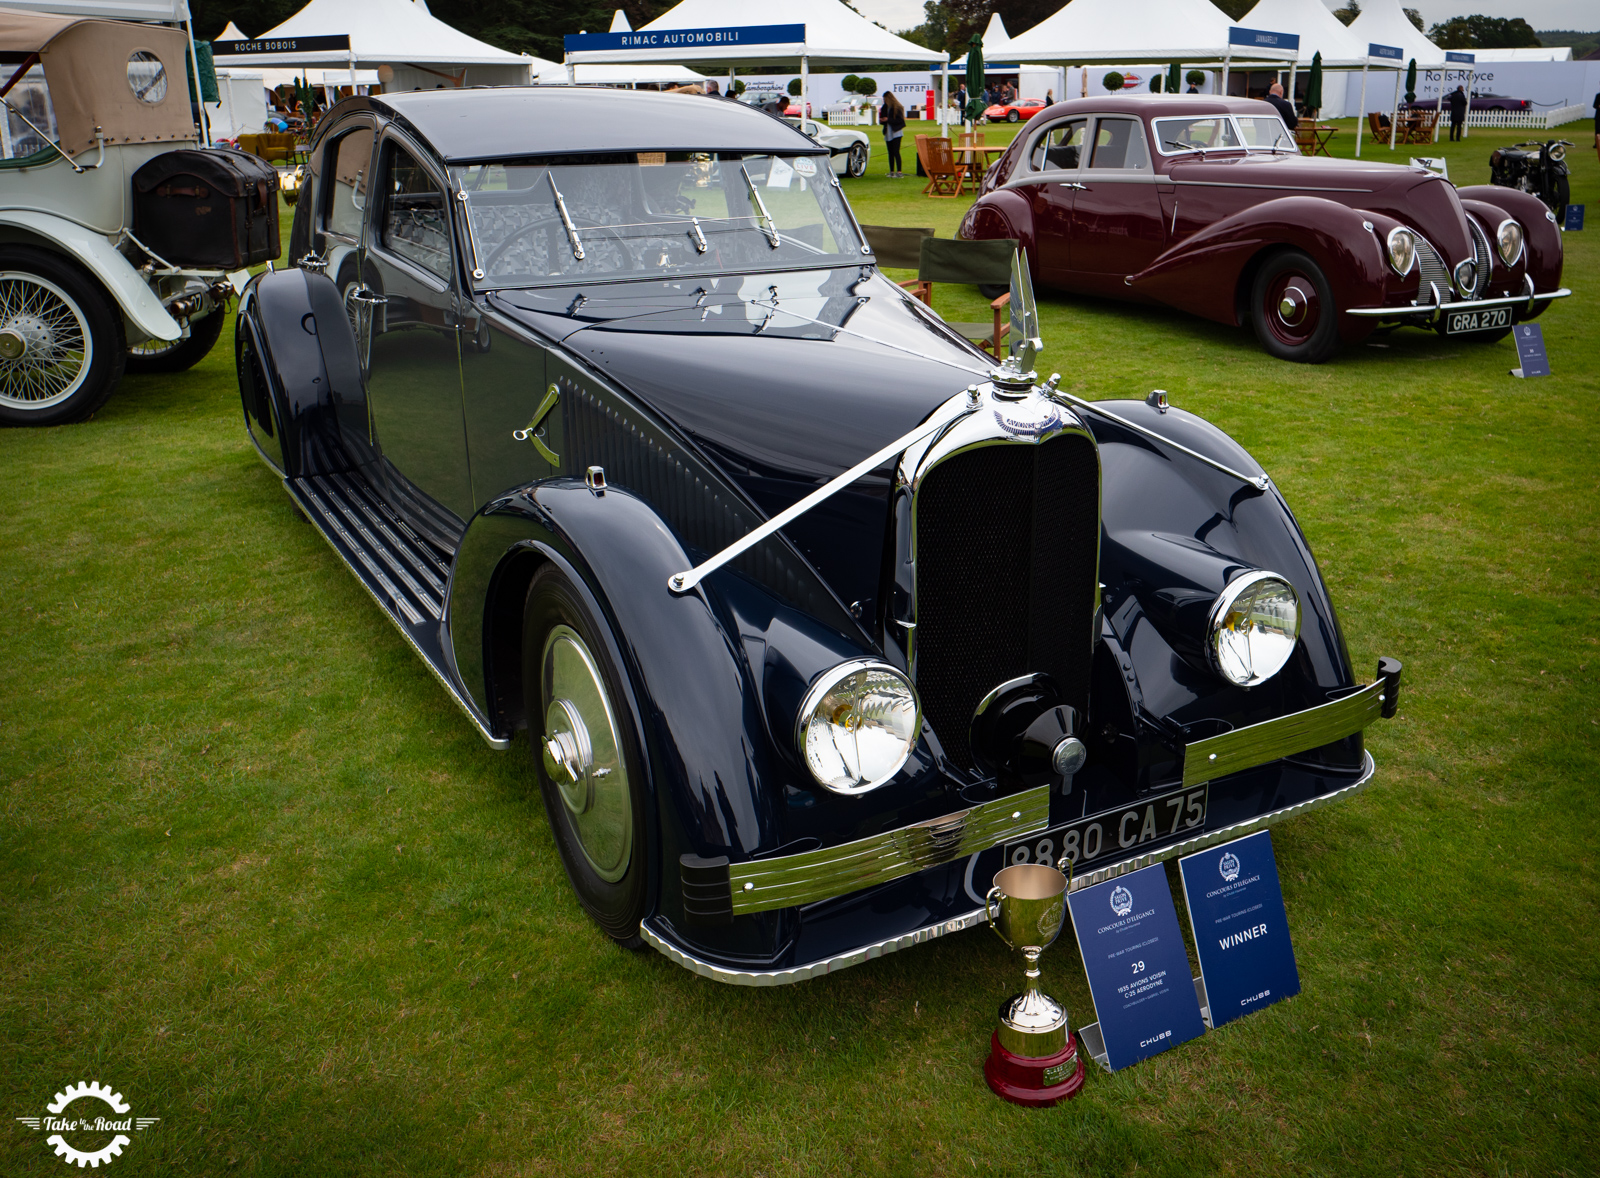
column 1205, row 204
column 1014, row 112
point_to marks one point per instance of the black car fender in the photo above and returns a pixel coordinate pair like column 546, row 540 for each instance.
column 295, row 352
column 1175, row 532
column 711, row 719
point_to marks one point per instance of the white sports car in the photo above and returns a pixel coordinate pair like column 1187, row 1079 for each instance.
column 848, row 148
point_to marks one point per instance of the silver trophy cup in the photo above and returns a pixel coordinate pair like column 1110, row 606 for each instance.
column 1026, row 908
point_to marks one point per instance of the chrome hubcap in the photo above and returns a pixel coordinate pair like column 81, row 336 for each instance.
column 1292, row 307
column 582, row 755
column 45, row 348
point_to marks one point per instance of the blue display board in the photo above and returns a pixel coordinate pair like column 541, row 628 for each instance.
column 1389, row 52
column 1530, row 350
column 1574, row 220
column 722, row 37
column 1263, row 38
column 1137, row 965
column 1241, row 931
column 1461, row 58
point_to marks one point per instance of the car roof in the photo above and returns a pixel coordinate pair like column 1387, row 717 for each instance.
column 1161, row 105
column 500, row 121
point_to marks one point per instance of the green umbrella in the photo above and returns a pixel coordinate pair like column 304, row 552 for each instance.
column 975, row 103
column 1174, row 79
column 1411, row 81
column 1314, row 85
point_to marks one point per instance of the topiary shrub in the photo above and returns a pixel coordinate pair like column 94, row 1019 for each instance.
column 1113, row 81
column 794, row 87
column 1194, row 77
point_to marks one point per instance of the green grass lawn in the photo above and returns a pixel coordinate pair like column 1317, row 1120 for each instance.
column 261, row 877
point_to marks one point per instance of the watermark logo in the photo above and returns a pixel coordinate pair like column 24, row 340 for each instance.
column 85, row 1126
column 1121, row 900
column 1229, row 866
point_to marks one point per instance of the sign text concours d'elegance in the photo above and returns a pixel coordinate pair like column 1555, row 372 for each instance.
column 282, row 45
column 724, row 37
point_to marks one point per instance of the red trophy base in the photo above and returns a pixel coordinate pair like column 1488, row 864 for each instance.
column 1034, row 1082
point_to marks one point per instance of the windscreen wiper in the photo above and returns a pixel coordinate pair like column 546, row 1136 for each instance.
column 572, row 230
column 770, row 229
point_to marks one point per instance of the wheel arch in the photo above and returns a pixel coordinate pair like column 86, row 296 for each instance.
column 126, row 290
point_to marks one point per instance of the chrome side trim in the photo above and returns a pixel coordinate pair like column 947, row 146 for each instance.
column 966, row 920
column 1458, row 305
column 792, row 880
column 1226, row 834
column 1271, row 740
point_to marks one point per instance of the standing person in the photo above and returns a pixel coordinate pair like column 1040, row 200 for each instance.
column 1283, row 106
column 961, row 98
column 892, row 117
column 1458, row 112
column 1597, row 124
column 1049, row 97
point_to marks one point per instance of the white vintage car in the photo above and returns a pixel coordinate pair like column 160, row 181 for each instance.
column 849, row 149
column 86, row 107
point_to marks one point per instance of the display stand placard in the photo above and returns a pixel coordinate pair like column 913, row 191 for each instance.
column 1133, row 952
column 1241, row 931
column 1574, row 219
column 1530, row 351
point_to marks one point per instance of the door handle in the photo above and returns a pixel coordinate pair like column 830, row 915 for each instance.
column 1075, row 184
column 534, row 430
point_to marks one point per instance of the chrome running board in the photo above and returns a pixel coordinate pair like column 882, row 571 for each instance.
column 407, row 576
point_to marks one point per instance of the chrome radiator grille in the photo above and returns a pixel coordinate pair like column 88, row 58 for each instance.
column 1483, row 260
column 1007, row 555
column 1432, row 269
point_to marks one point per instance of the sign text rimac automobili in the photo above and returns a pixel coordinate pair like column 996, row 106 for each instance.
column 1262, row 39
column 726, row 37
column 281, row 45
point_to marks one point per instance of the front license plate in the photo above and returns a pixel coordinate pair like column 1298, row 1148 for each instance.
column 1115, row 834
column 1467, row 322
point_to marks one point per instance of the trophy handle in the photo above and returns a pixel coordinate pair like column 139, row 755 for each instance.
column 988, row 911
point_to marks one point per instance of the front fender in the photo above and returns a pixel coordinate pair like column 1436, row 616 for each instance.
column 1542, row 236
column 1001, row 214
column 1204, row 273
column 132, row 293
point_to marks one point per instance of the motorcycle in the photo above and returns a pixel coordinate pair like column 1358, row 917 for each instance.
column 1537, row 168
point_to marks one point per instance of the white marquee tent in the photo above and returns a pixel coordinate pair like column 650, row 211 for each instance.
column 422, row 51
column 1383, row 23
column 833, row 33
column 996, row 41
column 1319, row 31
column 553, row 73
column 1186, row 32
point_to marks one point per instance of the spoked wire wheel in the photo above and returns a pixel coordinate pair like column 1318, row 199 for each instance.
column 46, row 345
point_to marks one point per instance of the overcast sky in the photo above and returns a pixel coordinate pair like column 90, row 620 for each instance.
column 1541, row 14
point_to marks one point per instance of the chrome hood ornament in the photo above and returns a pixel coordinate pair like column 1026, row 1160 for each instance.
column 1015, row 373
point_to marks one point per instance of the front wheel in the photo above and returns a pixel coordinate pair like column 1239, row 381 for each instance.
column 62, row 348
column 1012, row 116
column 181, row 354
column 1292, row 309
column 856, row 162
column 586, row 755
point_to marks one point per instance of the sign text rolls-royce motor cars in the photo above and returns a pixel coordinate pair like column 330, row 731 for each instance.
column 812, row 615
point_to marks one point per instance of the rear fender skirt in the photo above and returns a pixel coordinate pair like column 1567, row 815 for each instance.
column 280, row 310
column 1205, row 273
column 1543, row 256
column 714, row 683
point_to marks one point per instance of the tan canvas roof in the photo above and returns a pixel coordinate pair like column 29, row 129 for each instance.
column 86, row 67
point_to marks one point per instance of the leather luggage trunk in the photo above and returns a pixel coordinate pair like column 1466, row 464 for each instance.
column 212, row 210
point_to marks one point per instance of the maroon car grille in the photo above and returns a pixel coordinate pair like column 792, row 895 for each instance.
column 1007, row 556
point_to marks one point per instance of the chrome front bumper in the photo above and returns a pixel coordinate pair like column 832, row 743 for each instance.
column 1432, row 310
column 715, row 891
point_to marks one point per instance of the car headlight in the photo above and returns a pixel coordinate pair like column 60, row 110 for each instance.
column 857, row 725
column 1255, row 624
column 1402, row 250
column 1558, row 153
column 1508, row 239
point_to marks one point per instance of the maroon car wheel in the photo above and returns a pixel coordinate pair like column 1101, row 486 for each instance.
column 1292, row 309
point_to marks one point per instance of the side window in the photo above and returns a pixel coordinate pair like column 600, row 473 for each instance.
column 29, row 97
column 1119, row 143
column 1060, row 147
column 346, row 186
column 414, row 224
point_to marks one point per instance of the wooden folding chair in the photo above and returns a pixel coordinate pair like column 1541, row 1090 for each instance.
column 1380, row 126
column 946, row 176
column 901, row 248
column 974, row 263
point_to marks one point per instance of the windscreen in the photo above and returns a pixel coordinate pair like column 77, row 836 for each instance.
column 1211, row 133
column 654, row 214
column 30, row 103
column 1265, row 132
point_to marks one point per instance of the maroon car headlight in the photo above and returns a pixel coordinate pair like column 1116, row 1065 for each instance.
column 1509, row 241
column 1402, row 250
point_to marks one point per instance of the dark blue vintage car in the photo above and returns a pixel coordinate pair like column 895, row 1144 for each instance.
column 813, row 615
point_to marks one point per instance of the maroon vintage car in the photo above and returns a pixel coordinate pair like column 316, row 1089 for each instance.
column 1205, row 204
